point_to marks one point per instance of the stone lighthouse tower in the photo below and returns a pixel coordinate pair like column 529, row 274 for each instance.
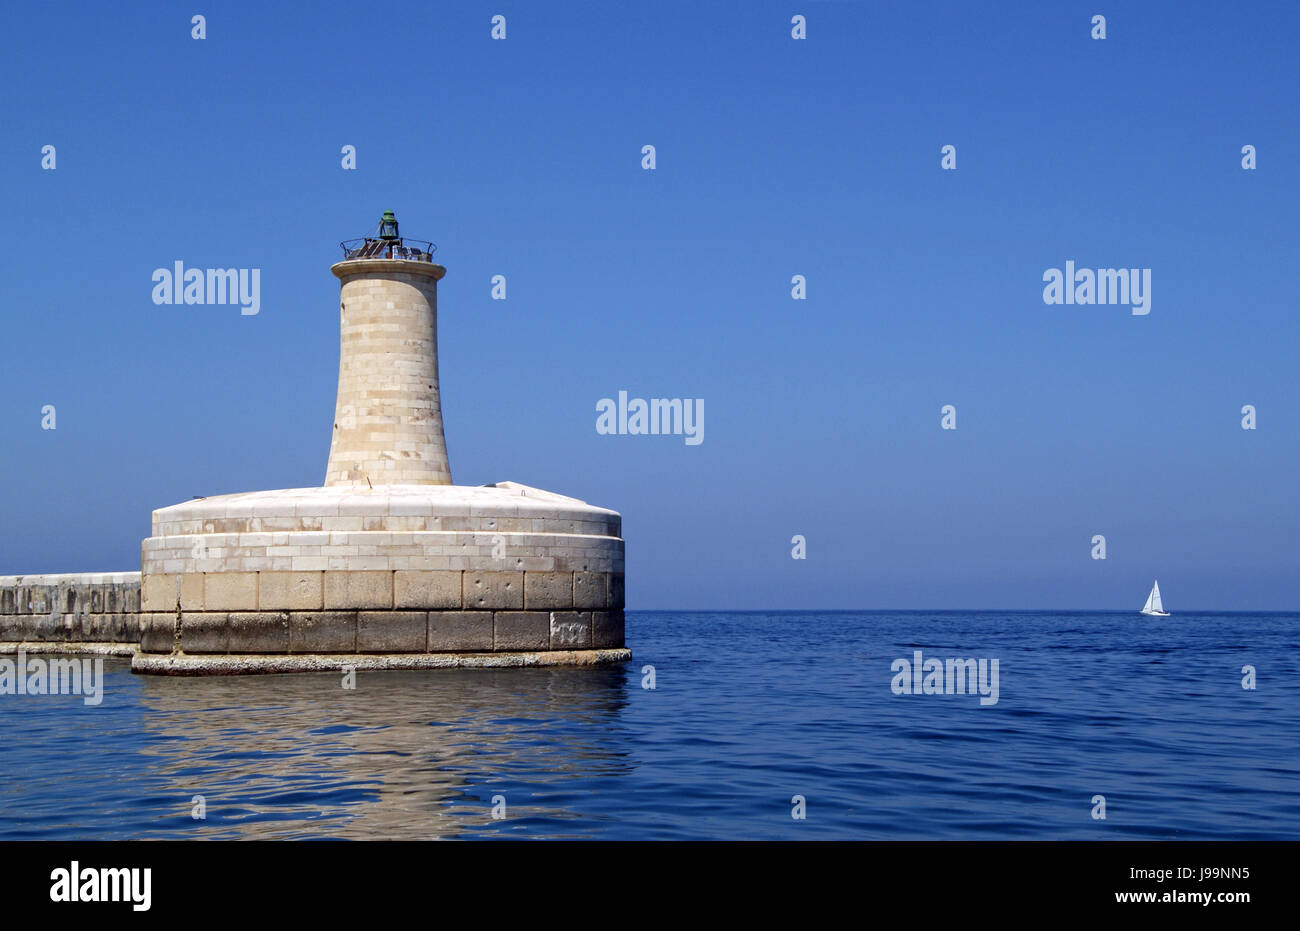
column 388, row 420
column 388, row 564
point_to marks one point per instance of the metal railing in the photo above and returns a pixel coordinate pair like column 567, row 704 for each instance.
column 412, row 250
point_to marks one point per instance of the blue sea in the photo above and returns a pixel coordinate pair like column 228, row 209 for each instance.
column 748, row 711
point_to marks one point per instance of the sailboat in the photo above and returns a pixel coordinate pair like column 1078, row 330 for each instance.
column 1153, row 607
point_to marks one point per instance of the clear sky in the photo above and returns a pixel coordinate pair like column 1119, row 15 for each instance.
column 774, row 157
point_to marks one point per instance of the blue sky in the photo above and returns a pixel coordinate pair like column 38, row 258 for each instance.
column 775, row 157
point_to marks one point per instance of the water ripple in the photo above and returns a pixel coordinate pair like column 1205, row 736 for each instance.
column 751, row 710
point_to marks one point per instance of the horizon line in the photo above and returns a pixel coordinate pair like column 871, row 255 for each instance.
column 1136, row 611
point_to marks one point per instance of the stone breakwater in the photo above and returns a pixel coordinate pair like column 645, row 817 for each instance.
column 64, row 613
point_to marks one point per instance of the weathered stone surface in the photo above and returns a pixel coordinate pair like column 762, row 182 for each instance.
column 460, row 631
column 39, row 600
column 193, row 594
column 21, row 626
column 521, row 630
column 124, row 627
column 229, row 591
column 606, row 629
column 365, row 589
column 69, row 627
column 205, row 632
column 616, row 591
column 548, row 591
column 95, row 627
column 494, row 590
column 157, row 632
column 179, row 664
column 78, row 598
column 90, row 627
column 162, row 591
column 591, row 590
column 431, row 589
column 259, row 632
column 570, row 630
column 47, row 626
column 392, row 631
column 157, row 593
column 290, row 591
column 107, row 628
column 323, row 632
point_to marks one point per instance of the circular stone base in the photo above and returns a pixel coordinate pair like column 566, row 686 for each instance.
column 181, row 664
column 312, row 633
column 389, row 569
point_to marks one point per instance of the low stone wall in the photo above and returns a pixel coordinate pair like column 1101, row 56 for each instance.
column 82, row 607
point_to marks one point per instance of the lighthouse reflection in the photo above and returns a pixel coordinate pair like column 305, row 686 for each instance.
column 403, row 755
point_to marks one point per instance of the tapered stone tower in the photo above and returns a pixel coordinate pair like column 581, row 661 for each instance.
column 388, row 421
column 388, row 565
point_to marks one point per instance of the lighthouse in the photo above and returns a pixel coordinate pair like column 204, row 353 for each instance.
column 388, row 418
column 387, row 565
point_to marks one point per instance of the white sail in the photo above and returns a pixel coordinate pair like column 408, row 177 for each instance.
column 1153, row 605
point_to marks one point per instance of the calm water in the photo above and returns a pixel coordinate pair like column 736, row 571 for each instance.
column 1149, row 713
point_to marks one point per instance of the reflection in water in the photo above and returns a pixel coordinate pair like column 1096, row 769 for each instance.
column 404, row 755
column 750, row 710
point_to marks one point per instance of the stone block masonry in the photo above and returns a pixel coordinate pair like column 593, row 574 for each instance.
column 104, row 612
column 390, row 569
column 377, row 589
column 388, row 419
column 346, row 633
column 96, row 609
